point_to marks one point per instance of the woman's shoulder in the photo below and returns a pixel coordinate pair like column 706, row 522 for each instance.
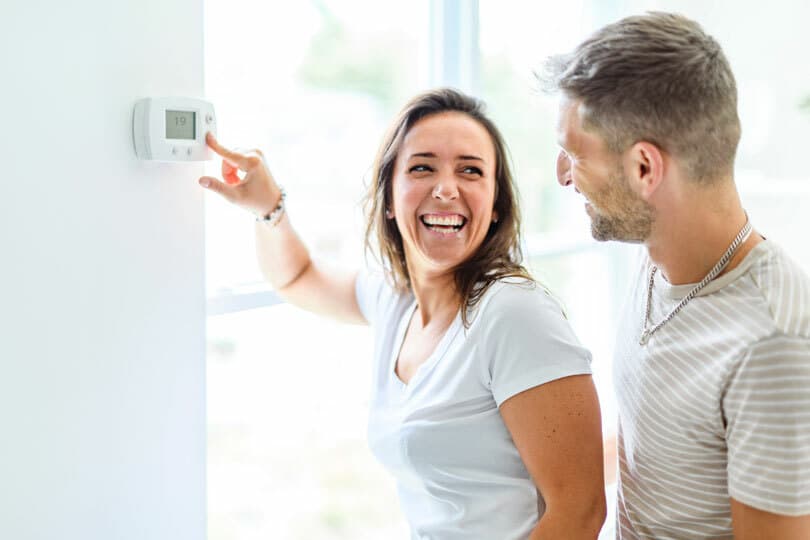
column 518, row 299
column 517, row 290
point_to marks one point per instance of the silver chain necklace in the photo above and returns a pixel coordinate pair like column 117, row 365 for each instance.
column 648, row 331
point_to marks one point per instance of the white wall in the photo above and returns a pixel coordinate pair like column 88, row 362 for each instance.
column 102, row 309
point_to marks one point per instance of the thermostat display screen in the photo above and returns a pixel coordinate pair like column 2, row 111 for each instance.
column 172, row 128
column 180, row 124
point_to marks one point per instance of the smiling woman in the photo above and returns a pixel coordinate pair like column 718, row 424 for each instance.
column 467, row 347
column 442, row 203
column 444, row 164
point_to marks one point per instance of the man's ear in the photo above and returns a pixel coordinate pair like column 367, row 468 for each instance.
column 644, row 164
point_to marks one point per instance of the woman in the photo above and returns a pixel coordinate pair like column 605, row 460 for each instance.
column 482, row 405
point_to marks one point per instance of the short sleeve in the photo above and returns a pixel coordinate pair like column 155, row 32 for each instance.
column 529, row 341
column 767, row 412
column 369, row 288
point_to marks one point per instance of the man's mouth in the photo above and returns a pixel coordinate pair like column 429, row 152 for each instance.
column 447, row 223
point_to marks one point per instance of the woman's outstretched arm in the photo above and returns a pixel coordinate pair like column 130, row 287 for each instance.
column 283, row 258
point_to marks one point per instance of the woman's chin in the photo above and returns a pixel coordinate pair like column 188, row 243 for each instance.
column 438, row 259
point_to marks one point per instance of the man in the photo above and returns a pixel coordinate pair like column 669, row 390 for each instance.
column 712, row 367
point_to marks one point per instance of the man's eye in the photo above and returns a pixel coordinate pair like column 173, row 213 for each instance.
column 420, row 168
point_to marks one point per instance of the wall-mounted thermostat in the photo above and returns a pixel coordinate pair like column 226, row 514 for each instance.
column 173, row 129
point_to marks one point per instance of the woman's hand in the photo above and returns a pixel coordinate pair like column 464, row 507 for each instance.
column 257, row 192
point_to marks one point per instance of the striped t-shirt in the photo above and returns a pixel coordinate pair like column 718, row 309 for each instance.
column 717, row 404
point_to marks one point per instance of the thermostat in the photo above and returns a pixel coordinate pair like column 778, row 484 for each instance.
column 173, row 129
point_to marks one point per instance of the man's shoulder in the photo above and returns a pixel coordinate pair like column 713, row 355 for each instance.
column 784, row 287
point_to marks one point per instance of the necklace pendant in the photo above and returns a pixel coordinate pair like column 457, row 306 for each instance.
column 645, row 337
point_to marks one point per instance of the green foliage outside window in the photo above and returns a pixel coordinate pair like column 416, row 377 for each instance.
column 339, row 60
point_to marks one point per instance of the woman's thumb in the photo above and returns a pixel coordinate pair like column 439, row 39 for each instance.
column 213, row 184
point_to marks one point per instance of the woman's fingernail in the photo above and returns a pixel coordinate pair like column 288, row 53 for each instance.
column 205, row 182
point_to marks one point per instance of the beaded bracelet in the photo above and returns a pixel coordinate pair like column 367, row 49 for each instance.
column 274, row 217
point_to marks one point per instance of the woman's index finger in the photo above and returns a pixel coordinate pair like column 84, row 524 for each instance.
column 235, row 158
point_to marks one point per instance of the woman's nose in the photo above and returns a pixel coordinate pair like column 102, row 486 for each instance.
column 446, row 188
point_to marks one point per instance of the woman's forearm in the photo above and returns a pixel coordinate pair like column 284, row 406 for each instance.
column 281, row 253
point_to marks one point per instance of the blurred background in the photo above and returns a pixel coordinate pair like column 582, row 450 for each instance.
column 314, row 84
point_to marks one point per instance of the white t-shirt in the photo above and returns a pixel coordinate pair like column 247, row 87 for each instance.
column 459, row 474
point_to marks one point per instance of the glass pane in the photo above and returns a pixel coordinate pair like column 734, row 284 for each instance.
column 587, row 277
column 287, row 451
column 513, row 44
column 313, row 85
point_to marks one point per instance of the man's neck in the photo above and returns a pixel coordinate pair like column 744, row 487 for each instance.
column 691, row 235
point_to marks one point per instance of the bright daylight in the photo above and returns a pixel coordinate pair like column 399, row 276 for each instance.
column 434, row 270
column 288, row 391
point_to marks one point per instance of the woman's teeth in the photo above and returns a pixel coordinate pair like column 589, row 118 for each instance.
column 444, row 224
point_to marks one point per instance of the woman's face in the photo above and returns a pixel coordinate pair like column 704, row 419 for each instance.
column 443, row 191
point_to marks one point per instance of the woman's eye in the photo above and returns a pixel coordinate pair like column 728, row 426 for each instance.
column 420, row 168
column 472, row 170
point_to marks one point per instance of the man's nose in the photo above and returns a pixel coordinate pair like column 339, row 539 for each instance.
column 563, row 169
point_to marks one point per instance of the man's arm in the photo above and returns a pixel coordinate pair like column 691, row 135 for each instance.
column 752, row 524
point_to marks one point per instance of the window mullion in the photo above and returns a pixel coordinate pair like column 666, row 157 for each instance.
column 455, row 56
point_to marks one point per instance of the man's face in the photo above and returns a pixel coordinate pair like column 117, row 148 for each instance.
column 584, row 161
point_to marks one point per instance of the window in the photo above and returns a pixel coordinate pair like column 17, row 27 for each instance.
column 559, row 247
column 314, row 85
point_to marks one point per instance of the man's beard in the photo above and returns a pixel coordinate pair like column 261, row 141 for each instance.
column 627, row 217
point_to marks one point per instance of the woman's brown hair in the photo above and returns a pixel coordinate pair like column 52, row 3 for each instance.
column 498, row 256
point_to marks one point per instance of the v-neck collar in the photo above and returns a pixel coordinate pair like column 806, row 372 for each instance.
column 431, row 360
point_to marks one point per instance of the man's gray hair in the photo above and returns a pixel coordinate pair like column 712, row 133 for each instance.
column 657, row 78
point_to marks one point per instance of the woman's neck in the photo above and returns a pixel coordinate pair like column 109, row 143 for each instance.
column 437, row 299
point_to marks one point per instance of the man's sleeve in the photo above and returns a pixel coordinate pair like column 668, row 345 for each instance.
column 767, row 413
